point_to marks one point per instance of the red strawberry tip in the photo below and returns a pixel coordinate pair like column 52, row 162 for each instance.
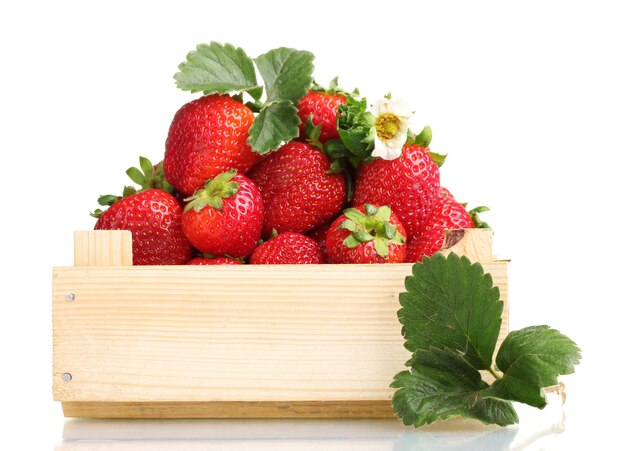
column 373, row 226
column 213, row 192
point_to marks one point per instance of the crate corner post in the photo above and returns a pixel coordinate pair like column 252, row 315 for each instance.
column 92, row 248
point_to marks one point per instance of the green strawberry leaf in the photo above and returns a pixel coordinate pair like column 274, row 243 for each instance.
column 442, row 385
column 354, row 214
column 276, row 124
column 478, row 223
column 423, row 139
column 146, row 165
column 512, row 389
column 351, row 241
column 216, row 68
column 149, row 176
column 531, row 359
column 213, row 192
column 383, row 213
column 370, row 210
column 381, row 247
column 335, row 149
column 355, row 125
column 362, row 236
column 347, row 224
column 438, row 158
column 390, row 230
column 312, row 133
column 451, row 318
column 108, row 199
column 136, row 176
column 451, row 303
column 287, row 73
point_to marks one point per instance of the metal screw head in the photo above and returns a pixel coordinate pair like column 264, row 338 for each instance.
column 66, row 377
column 70, row 297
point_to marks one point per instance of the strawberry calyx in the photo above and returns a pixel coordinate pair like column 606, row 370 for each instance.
column 473, row 213
column 373, row 225
column 213, row 257
column 333, row 88
column 335, row 151
column 423, row 140
column 107, row 200
column 312, row 133
column 213, row 192
column 272, row 235
column 149, row 176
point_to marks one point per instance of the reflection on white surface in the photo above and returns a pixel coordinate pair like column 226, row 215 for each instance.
column 535, row 429
column 332, row 435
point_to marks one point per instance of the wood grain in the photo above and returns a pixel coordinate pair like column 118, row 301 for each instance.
column 232, row 409
column 288, row 333
column 103, row 248
column 315, row 341
column 475, row 244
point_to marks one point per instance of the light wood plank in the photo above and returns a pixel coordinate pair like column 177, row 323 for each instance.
column 103, row 248
column 233, row 409
column 221, row 342
column 475, row 244
column 253, row 333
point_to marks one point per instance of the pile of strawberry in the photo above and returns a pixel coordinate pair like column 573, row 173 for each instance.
column 307, row 175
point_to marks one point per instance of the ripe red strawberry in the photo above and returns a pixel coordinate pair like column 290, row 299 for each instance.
column 207, row 137
column 366, row 234
column 225, row 217
column 299, row 191
column 409, row 185
column 446, row 214
column 288, row 248
column 214, row 261
column 444, row 192
column 322, row 107
column 154, row 219
column 319, row 235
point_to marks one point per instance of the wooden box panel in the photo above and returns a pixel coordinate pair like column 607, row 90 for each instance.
column 230, row 341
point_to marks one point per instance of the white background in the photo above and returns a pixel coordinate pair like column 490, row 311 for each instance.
column 527, row 98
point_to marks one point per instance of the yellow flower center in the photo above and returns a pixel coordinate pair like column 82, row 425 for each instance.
column 387, row 126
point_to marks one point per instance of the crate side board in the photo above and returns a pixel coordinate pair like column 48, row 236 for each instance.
column 155, row 334
column 232, row 409
column 289, row 341
column 103, row 248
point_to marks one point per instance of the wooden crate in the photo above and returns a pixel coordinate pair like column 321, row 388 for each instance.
column 263, row 341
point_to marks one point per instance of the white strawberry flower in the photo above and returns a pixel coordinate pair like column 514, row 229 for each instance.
column 392, row 118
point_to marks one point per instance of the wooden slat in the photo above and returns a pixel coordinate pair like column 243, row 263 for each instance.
column 475, row 244
column 233, row 409
column 292, row 341
column 103, row 248
column 253, row 333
